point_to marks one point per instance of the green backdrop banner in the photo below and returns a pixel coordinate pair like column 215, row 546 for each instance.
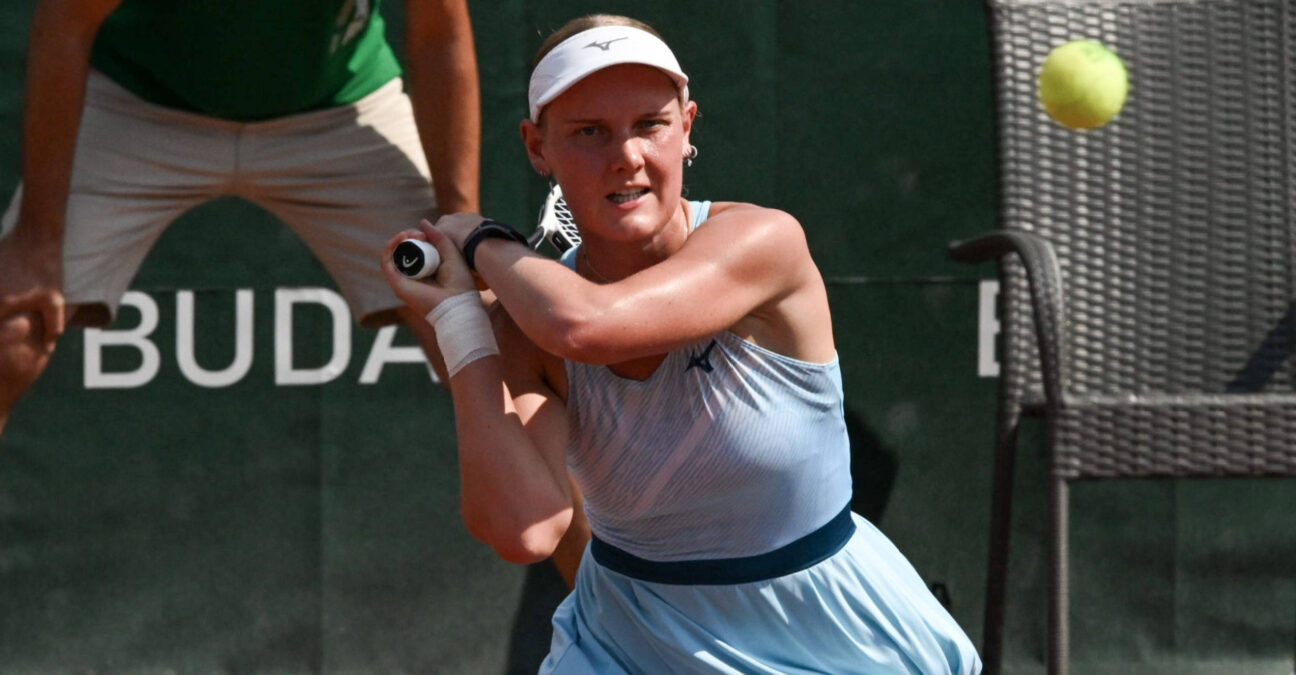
column 236, row 478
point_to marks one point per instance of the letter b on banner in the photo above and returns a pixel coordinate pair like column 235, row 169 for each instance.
column 134, row 338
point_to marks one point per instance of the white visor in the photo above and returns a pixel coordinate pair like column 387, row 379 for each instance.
column 595, row 49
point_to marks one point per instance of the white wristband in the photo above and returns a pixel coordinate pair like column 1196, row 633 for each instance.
column 463, row 330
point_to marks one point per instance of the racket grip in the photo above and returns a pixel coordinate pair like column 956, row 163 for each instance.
column 416, row 258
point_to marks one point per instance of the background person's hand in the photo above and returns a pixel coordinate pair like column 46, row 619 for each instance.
column 23, row 355
column 32, row 281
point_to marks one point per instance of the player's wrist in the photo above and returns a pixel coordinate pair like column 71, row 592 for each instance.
column 486, row 231
column 463, row 331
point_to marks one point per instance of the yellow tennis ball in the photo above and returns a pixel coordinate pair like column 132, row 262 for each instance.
column 1082, row 84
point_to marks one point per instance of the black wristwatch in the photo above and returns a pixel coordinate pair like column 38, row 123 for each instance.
column 489, row 229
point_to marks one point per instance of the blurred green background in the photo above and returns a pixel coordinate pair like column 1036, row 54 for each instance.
column 298, row 529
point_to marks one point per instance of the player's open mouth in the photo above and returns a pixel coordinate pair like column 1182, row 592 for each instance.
column 624, row 196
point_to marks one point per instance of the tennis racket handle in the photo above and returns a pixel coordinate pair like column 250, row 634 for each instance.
column 416, row 258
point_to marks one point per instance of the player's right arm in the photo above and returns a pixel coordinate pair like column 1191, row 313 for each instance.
column 516, row 495
column 510, row 421
column 58, row 60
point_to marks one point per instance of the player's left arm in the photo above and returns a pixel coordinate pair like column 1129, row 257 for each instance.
column 747, row 263
column 442, row 69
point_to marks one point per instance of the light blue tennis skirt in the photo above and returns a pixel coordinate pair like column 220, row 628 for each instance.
column 862, row 610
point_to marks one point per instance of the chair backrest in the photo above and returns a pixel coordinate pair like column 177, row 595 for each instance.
column 1173, row 224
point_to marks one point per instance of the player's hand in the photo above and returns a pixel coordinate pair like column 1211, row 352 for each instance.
column 457, row 226
column 32, row 282
column 452, row 277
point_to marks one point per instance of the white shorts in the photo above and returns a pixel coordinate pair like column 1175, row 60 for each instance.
column 345, row 179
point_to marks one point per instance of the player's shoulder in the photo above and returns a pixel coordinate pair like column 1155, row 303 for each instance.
column 746, row 210
column 749, row 215
column 762, row 225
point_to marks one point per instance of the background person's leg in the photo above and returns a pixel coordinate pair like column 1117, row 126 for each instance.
column 137, row 168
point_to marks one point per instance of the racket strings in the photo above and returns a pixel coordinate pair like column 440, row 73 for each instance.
column 566, row 223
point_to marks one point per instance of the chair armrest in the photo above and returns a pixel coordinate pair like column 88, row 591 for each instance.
column 1044, row 277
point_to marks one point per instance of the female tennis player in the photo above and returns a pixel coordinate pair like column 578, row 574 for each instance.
column 681, row 365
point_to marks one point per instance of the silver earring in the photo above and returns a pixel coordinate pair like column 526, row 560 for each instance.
column 690, row 155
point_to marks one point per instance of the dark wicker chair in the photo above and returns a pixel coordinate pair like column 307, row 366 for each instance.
column 1147, row 277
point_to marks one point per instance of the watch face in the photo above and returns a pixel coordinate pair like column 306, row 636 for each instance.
column 488, row 229
column 494, row 228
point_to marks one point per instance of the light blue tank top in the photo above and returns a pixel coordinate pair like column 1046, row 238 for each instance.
column 728, row 450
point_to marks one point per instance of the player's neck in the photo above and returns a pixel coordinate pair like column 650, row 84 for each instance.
column 605, row 261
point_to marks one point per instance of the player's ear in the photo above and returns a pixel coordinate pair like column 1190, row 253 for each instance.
column 688, row 114
column 532, row 138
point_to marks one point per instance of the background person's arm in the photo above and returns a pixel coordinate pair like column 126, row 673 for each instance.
column 58, row 60
column 442, row 70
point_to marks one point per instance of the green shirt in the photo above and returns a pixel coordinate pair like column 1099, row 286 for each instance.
column 246, row 60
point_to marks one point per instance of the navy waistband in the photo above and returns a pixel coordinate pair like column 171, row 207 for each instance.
column 794, row 557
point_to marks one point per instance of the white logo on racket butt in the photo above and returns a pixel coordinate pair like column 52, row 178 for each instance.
column 416, row 258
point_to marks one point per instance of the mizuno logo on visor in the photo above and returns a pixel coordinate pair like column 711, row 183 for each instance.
column 606, row 44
